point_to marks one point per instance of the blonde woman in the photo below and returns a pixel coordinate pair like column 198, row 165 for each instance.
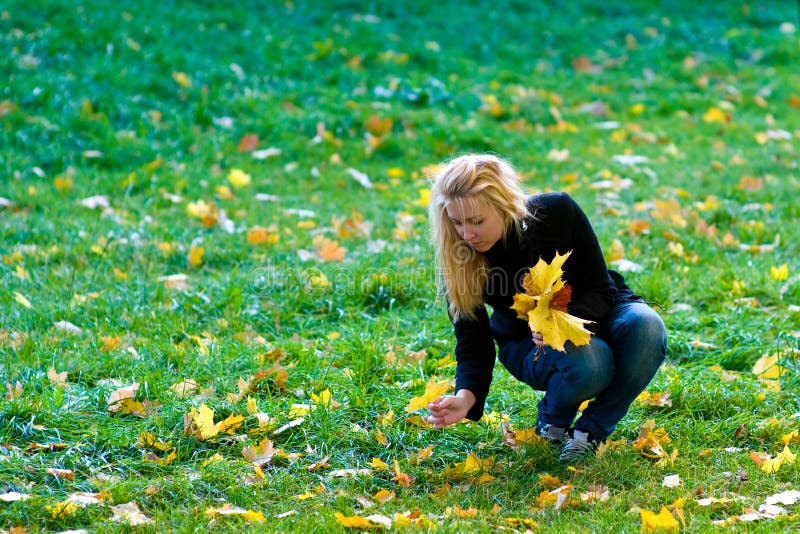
column 487, row 234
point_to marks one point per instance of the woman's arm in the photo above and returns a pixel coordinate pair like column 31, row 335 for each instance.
column 475, row 355
column 592, row 288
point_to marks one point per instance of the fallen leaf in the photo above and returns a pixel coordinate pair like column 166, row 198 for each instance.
column 261, row 454
column 184, row 388
column 238, row 178
column 402, row 479
column 21, row 299
column 715, row 114
column 68, row 327
column 328, row 249
column 116, row 398
column 228, row 510
column 66, row 474
column 355, row 521
column 557, row 498
column 182, row 79
column 129, row 513
column 195, row 256
column 788, row 498
column 62, row 509
column 13, row 496
column 383, row 496
column 58, row 379
column 433, row 390
column 664, row 520
column 650, row 441
column 248, row 143
column 595, row 493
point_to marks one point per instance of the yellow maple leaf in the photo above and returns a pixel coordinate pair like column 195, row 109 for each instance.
column 650, row 441
column 549, row 481
column 354, row 521
column 151, row 457
column 557, row 498
column 230, row 424
column 195, row 256
column 425, row 453
column 464, row 512
column 387, row 418
column 259, row 235
column 383, row 496
column 228, row 510
column 664, row 520
column 516, row 439
column 110, row 343
column 767, row 367
column 786, row 456
column 779, row 273
column 116, row 398
column 238, row 178
column 325, row 399
column 377, row 463
column 471, row 466
column 182, row 79
column 203, row 420
column 544, row 305
column 654, row 399
column 791, row 437
column 715, row 115
column 62, row 509
column 433, row 390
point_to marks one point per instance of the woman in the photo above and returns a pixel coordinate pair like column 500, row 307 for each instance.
column 487, row 235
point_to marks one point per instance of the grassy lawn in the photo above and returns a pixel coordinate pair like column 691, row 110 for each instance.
column 218, row 296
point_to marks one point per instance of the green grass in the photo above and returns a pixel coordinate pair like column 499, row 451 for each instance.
column 92, row 107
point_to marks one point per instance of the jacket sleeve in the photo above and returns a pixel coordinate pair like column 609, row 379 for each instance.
column 593, row 290
column 475, row 356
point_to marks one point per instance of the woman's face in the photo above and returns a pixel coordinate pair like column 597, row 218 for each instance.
column 476, row 222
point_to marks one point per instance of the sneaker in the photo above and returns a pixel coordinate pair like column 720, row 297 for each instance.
column 555, row 435
column 579, row 446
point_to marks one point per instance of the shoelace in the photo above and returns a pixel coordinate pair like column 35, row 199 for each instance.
column 576, row 449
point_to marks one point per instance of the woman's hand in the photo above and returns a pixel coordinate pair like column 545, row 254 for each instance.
column 538, row 340
column 449, row 409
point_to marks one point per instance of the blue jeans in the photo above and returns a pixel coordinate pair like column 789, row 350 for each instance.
column 613, row 369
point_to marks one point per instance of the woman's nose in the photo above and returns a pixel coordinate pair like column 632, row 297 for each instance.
column 467, row 232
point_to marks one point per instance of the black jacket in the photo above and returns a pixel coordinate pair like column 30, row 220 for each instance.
column 555, row 223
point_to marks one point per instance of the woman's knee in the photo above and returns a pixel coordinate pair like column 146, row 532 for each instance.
column 642, row 324
column 589, row 365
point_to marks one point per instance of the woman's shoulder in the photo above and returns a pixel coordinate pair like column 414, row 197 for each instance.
column 549, row 200
column 550, row 207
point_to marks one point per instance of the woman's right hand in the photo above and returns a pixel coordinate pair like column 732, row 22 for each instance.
column 538, row 339
column 449, row 409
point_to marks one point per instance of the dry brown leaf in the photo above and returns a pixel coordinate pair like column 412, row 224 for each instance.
column 116, row 398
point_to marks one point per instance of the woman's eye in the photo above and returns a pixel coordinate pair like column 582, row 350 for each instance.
column 476, row 223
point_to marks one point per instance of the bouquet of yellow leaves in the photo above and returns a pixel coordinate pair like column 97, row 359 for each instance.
column 544, row 305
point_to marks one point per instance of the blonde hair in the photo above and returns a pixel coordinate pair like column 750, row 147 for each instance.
column 473, row 178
